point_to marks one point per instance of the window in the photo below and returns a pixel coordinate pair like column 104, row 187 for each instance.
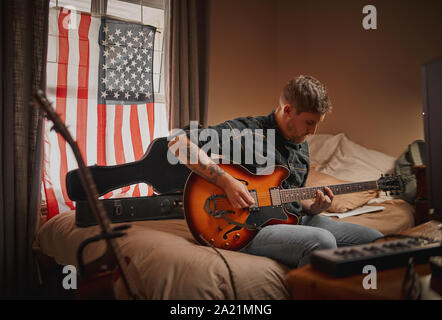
column 105, row 79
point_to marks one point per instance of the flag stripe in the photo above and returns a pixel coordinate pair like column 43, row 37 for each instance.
column 83, row 83
column 71, row 90
column 127, row 147
column 145, row 140
column 135, row 132
column 101, row 135
column 62, row 74
column 151, row 117
column 93, row 111
column 108, row 121
column 118, row 140
column 136, row 140
column 51, row 201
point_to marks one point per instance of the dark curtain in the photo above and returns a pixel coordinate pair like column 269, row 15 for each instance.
column 23, row 45
column 186, row 61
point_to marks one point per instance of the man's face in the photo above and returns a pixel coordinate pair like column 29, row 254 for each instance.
column 298, row 126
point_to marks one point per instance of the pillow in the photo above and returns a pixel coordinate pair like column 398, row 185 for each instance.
column 322, row 146
column 342, row 202
column 353, row 162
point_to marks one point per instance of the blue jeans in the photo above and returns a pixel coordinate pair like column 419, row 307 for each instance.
column 293, row 244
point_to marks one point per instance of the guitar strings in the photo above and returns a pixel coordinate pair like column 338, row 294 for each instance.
column 264, row 197
column 311, row 192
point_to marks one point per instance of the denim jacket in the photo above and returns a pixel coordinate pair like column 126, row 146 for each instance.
column 293, row 156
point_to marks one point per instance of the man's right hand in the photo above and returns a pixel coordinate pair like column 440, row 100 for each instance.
column 237, row 192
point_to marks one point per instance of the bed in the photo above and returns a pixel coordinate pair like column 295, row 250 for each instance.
column 172, row 265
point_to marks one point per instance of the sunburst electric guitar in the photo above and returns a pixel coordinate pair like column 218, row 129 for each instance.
column 213, row 220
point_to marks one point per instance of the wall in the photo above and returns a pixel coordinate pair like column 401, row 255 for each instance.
column 373, row 77
column 243, row 70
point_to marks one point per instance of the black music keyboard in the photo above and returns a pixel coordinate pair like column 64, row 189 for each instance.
column 350, row 260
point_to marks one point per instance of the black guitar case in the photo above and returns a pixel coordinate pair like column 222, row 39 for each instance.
column 153, row 169
column 156, row 207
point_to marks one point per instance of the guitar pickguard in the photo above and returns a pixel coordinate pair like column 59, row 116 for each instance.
column 261, row 215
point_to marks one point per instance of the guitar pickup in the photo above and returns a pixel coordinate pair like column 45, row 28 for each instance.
column 275, row 196
column 254, row 195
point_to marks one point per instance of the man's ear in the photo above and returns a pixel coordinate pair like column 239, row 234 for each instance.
column 288, row 110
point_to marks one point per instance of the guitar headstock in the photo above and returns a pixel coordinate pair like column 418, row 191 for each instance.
column 392, row 183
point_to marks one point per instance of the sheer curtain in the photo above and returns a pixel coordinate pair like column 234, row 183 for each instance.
column 23, row 40
column 186, row 61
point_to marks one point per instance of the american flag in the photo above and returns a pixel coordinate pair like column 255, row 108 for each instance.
column 100, row 80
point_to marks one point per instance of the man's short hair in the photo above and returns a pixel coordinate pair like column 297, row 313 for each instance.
column 306, row 94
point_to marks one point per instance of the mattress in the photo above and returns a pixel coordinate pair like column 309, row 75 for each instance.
column 171, row 264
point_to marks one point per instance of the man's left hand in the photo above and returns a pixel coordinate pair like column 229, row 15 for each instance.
column 322, row 202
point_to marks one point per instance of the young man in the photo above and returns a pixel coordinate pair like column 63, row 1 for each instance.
column 303, row 104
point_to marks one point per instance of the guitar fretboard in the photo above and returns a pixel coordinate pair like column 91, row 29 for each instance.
column 291, row 195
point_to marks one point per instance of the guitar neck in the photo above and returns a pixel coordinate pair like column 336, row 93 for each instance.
column 297, row 194
column 90, row 188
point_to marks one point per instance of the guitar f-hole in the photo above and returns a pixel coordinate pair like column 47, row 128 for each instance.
column 244, row 181
column 236, row 228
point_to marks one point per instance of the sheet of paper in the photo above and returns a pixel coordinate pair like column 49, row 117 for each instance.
column 355, row 212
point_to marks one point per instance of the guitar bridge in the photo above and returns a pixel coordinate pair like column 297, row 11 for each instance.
column 214, row 211
column 212, row 200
